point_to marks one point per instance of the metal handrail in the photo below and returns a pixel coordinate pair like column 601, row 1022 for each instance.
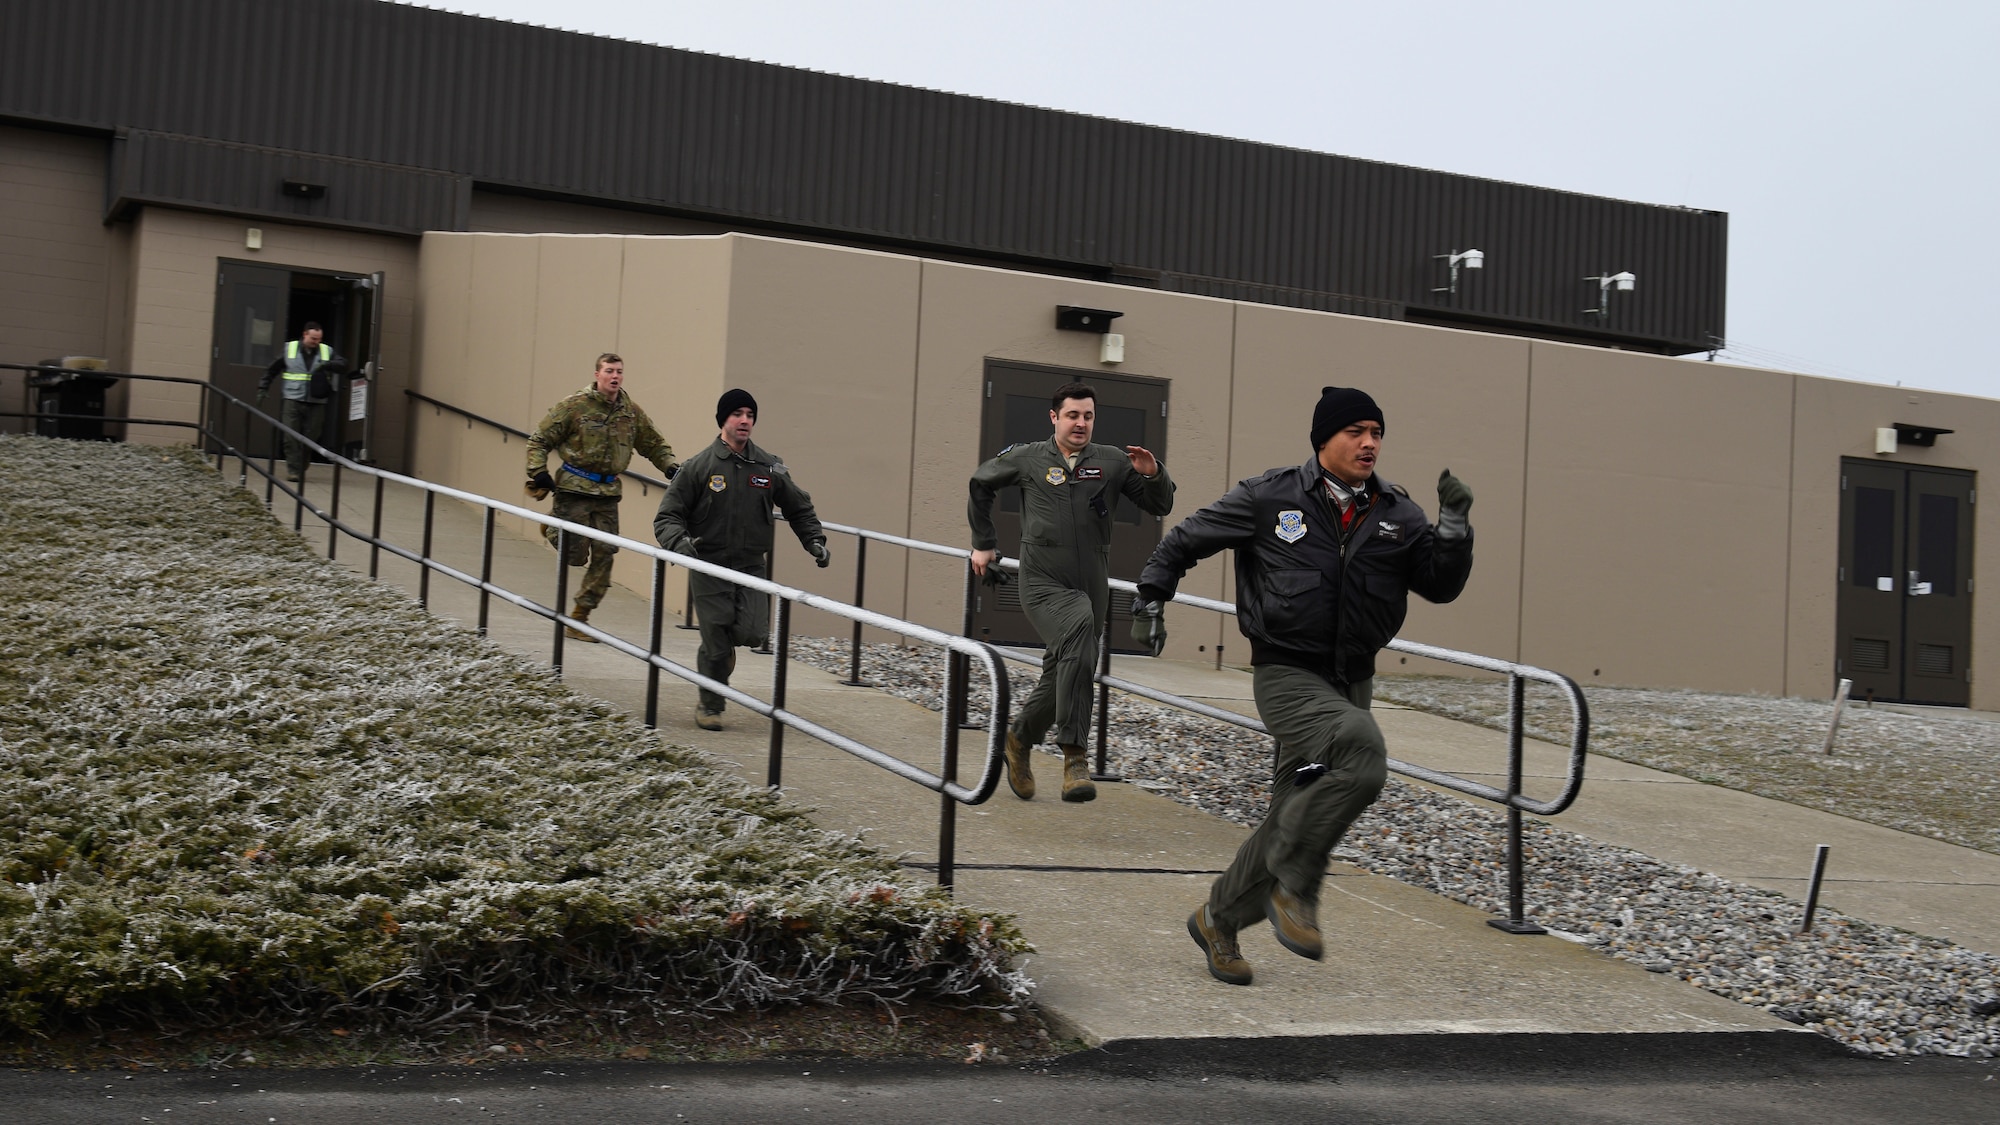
column 963, row 649
column 1511, row 797
column 861, row 534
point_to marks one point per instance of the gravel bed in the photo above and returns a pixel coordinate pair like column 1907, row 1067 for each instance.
column 1927, row 773
column 1880, row 990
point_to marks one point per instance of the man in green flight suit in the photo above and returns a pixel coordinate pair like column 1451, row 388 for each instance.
column 595, row 431
column 719, row 510
column 1069, row 488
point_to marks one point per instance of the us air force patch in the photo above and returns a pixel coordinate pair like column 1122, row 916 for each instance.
column 1291, row 525
column 1055, row 475
column 1387, row 530
column 717, row 483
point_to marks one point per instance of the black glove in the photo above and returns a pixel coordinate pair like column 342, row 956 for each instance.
column 690, row 546
column 543, row 481
column 1454, row 503
column 817, row 549
column 996, row 575
column 1149, row 626
column 262, row 394
column 670, row 470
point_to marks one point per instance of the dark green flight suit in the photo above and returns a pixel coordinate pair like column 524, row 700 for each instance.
column 724, row 500
column 1065, row 564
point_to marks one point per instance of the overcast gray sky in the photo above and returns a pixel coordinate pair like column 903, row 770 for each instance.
column 1852, row 144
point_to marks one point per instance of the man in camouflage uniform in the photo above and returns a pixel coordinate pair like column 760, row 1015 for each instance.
column 719, row 510
column 1069, row 489
column 595, row 431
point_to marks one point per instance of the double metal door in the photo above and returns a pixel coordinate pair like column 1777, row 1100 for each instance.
column 1130, row 411
column 259, row 307
column 1905, row 605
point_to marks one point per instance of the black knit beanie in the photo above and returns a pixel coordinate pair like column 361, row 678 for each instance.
column 732, row 400
column 1339, row 408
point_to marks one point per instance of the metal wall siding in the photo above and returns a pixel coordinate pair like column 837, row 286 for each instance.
column 629, row 123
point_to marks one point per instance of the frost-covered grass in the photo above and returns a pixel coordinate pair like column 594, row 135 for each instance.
column 243, row 784
column 1932, row 775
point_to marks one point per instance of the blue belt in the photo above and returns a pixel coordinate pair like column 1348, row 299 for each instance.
column 601, row 478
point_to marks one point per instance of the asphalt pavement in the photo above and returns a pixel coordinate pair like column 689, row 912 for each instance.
column 1527, row 1079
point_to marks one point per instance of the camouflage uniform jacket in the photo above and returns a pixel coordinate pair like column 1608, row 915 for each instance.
column 597, row 435
column 724, row 499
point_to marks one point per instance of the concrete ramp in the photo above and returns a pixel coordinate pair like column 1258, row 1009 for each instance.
column 1103, row 889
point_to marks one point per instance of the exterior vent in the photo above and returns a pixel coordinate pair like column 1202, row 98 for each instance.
column 1871, row 655
column 1934, row 660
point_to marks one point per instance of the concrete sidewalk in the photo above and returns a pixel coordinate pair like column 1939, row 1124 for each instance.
column 1104, row 889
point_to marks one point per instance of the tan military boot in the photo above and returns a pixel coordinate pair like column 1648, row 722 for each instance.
column 1020, row 767
column 1076, row 776
column 581, row 613
column 1225, row 957
column 1295, row 921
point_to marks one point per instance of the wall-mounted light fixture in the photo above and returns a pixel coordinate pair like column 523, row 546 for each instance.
column 1460, row 259
column 1076, row 318
column 1607, row 283
column 1887, row 438
column 300, row 189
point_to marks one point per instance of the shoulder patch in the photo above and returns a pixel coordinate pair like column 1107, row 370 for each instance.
column 1291, row 525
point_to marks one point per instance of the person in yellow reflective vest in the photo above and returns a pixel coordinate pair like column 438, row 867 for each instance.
column 310, row 371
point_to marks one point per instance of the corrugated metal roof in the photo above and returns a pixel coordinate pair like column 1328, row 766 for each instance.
column 249, row 180
column 396, row 87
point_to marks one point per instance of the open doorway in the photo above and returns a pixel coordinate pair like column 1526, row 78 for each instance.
column 259, row 307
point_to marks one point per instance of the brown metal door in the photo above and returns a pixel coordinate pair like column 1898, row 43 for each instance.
column 251, row 303
column 1938, row 589
column 1130, row 411
column 1905, row 604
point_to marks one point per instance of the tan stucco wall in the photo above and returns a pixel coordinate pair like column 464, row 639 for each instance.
column 171, row 310
column 1656, row 538
column 1640, row 519
column 61, row 267
column 508, row 325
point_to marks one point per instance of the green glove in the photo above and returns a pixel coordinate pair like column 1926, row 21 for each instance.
column 1454, row 504
column 1149, row 626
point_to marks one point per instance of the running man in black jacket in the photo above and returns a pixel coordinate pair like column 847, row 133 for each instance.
column 1327, row 554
